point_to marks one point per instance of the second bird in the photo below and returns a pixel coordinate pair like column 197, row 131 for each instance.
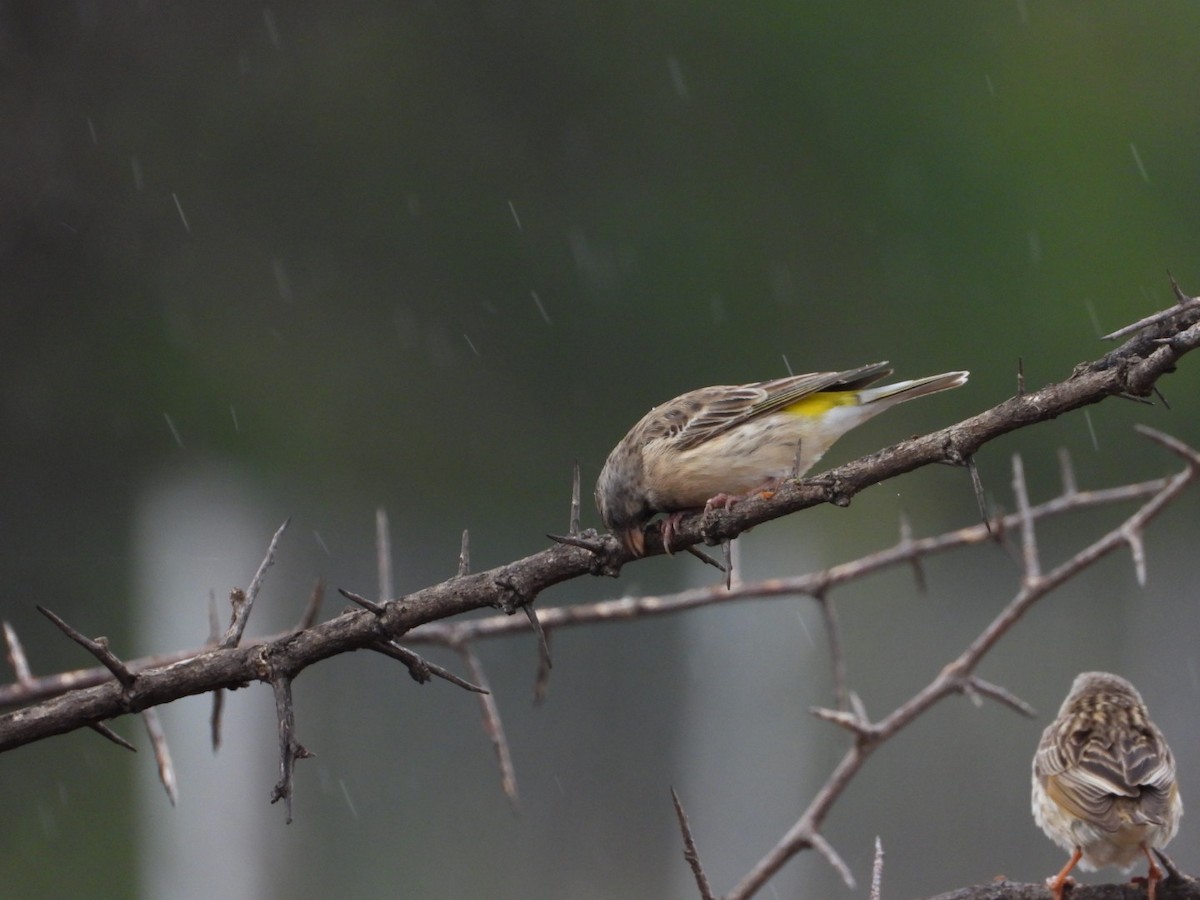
column 715, row 444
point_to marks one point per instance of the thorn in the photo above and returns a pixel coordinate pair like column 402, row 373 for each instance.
column 690, row 854
column 464, row 555
column 595, row 546
column 980, row 497
column 312, row 609
column 1180, row 297
column 704, row 557
column 104, row 731
column 573, row 528
column 98, row 648
column 420, row 669
column 371, row 605
column 543, row 644
column 16, row 655
column 237, row 627
column 162, row 754
column 492, row 725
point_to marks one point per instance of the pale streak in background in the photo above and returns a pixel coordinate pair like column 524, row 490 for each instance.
column 192, row 535
column 748, row 668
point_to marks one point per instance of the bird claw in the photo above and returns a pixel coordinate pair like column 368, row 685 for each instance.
column 666, row 528
column 1057, row 885
column 721, row 501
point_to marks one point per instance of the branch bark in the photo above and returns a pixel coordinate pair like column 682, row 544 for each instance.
column 1169, row 889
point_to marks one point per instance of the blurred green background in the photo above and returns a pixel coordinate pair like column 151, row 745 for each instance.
column 311, row 259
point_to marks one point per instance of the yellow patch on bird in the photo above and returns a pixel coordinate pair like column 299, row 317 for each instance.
column 820, row 403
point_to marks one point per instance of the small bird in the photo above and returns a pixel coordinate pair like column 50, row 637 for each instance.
column 711, row 446
column 1104, row 780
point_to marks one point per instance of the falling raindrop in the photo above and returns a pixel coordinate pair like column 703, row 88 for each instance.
column 272, row 29
column 321, row 542
column 182, row 217
column 512, row 209
column 1087, row 416
column 677, row 79
column 346, row 796
column 1137, row 158
column 538, row 302
column 282, row 284
column 804, row 628
column 1091, row 309
column 716, row 308
column 136, row 165
column 174, row 431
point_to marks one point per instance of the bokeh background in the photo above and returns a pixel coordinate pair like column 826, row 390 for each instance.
column 316, row 259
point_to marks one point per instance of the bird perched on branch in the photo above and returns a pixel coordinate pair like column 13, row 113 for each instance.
column 711, row 446
column 1104, row 780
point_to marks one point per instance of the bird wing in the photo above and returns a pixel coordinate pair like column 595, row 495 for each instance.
column 702, row 415
column 1098, row 777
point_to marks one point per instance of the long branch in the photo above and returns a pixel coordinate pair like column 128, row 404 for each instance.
column 1133, row 368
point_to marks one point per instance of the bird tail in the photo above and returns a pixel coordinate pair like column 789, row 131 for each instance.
column 892, row 394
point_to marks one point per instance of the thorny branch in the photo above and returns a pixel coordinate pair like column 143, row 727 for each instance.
column 957, row 677
column 69, row 701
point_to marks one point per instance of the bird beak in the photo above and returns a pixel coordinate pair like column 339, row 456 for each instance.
column 634, row 540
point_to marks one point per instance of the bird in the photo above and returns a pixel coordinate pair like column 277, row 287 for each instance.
column 1104, row 784
column 711, row 446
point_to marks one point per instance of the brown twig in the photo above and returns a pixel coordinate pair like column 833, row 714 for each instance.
column 312, row 609
column 977, row 487
column 903, row 552
column 689, row 850
column 877, row 872
column 464, row 555
column 422, row 669
column 535, row 625
column 162, row 754
column 290, row 749
column 105, row 732
column 837, row 657
column 214, row 721
column 1009, row 890
column 369, row 605
column 16, row 656
column 242, row 610
column 97, row 647
column 1185, row 303
column 492, row 725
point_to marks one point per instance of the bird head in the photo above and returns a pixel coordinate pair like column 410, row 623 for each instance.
column 623, row 509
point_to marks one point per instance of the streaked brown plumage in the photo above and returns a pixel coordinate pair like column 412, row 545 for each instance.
column 1104, row 780
column 717, row 443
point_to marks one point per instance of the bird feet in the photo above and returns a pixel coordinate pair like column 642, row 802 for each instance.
column 668, row 525
column 1057, row 884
